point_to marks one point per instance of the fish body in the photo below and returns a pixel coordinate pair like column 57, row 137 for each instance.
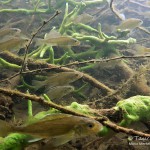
column 9, row 32
column 55, row 125
column 59, row 91
column 54, row 38
column 13, row 43
column 59, row 41
column 129, row 24
column 83, row 18
column 59, row 79
column 141, row 49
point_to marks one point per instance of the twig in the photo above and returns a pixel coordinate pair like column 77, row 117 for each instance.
column 122, row 89
column 139, row 4
column 144, row 30
column 104, row 120
column 15, row 93
column 105, row 60
column 45, row 67
column 38, row 30
column 143, row 40
column 87, row 78
column 117, row 128
column 114, row 10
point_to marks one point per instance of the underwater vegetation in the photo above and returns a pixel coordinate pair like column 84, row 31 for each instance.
column 74, row 74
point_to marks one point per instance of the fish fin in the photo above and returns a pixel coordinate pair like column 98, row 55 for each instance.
column 31, row 141
column 5, row 128
column 52, row 34
column 64, row 46
column 37, row 84
column 59, row 140
column 38, row 42
column 55, row 116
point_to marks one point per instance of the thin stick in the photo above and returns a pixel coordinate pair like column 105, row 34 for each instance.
column 104, row 120
column 106, row 60
column 38, row 30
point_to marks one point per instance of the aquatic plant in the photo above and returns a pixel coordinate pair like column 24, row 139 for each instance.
column 134, row 109
column 99, row 45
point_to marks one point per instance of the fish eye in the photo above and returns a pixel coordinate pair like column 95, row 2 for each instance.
column 17, row 30
column 76, row 74
column 90, row 125
column 76, row 40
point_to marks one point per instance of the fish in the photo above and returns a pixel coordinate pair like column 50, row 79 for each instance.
column 129, row 24
column 58, row 92
column 53, row 126
column 83, row 18
column 58, row 79
column 141, row 49
column 55, row 39
column 9, row 32
column 13, row 43
column 148, row 3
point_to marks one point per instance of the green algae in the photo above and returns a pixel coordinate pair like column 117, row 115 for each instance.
column 134, row 109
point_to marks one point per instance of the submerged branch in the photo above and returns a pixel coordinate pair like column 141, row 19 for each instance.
column 104, row 120
column 117, row 128
column 38, row 30
column 38, row 66
column 106, row 60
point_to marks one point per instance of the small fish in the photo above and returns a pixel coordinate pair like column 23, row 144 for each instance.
column 141, row 49
column 148, row 3
column 14, row 82
column 83, row 18
column 13, row 43
column 55, row 125
column 9, row 32
column 58, row 79
column 59, row 91
column 130, row 24
column 55, row 39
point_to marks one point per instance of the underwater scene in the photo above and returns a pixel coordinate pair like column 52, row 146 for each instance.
column 74, row 74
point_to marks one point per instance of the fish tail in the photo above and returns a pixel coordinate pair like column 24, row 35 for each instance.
column 5, row 128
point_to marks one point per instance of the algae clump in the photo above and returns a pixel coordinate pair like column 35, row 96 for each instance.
column 136, row 108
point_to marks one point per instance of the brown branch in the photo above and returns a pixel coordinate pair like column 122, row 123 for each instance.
column 144, row 30
column 122, row 90
column 38, row 66
column 104, row 120
column 117, row 128
column 94, row 82
column 114, row 10
column 106, row 60
column 15, row 93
